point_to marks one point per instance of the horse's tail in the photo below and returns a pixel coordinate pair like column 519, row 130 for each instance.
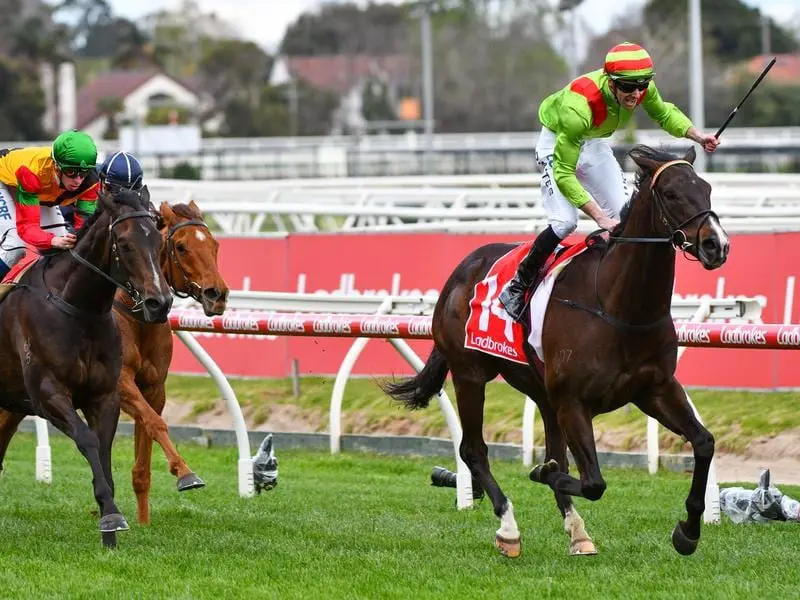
column 416, row 391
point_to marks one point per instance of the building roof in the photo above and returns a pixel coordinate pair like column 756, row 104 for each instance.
column 115, row 83
column 785, row 72
column 340, row 73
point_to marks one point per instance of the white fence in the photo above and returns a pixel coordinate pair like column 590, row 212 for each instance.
column 755, row 202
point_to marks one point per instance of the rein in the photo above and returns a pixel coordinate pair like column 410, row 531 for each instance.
column 674, row 239
column 116, row 265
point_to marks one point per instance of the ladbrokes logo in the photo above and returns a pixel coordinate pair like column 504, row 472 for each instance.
column 789, row 336
column 375, row 326
column 490, row 345
column 285, row 324
column 195, row 321
column 240, row 323
column 420, row 327
column 743, row 335
column 331, row 324
column 690, row 335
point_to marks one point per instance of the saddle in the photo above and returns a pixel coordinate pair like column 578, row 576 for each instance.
column 11, row 280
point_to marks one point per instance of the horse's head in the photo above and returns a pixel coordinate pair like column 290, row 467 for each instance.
column 190, row 257
column 683, row 199
column 135, row 245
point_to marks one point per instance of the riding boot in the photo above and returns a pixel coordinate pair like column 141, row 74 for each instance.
column 513, row 297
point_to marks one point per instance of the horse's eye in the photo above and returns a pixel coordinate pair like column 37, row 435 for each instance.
column 125, row 246
column 181, row 247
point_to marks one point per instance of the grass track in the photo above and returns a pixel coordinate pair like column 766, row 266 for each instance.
column 363, row 526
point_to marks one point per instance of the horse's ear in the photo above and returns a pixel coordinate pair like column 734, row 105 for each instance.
column 106, row 199
column 144, row 194
column 167, row 214
column 644, row 162
column 195, row 208
column 690, row 155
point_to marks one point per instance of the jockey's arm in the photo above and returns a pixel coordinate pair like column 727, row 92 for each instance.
column 29, row 226
column 565, row 161
column 668, row 116
column 85, row 205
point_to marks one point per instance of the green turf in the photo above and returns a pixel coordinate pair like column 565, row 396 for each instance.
column 362, row 526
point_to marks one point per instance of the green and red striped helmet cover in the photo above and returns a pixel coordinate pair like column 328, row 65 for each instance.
column 629, row 62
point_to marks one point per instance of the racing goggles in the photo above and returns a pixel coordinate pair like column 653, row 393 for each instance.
column 74, row 172
column 627, row 87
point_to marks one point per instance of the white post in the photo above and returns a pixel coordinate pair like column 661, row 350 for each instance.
column 246, row 485
column 528, row 418
column 463, row 476
column 696, row 91
column 44, row 469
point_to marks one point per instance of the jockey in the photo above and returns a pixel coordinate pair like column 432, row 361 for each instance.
column 121, row 170
column 579, row 168
column 34, row 182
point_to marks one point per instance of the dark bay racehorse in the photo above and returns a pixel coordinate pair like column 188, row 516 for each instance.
column 189, row 263
column 60, row 349
column 608, row 340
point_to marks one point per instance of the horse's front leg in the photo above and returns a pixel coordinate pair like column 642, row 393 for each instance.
column 55, row 402
column 670, row 407
column 556, row 461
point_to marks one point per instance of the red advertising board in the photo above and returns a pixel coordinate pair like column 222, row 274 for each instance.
column 759, row 265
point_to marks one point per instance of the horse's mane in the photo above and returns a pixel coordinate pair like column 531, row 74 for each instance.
column 638, row 151
column 120, row 196
column 186, row 211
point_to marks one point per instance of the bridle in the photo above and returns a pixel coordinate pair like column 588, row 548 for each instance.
column 195, row 290
column 118, row 274
column 676, row 234
column 676, row 237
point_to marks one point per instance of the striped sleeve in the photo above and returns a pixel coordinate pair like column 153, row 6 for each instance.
column 29, row 224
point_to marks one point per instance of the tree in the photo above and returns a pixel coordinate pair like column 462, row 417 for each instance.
column 21, row 103
column 110, row 107
column 378, row 29
column 734, row 27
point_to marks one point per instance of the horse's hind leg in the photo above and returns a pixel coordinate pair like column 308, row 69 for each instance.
column 556, row 456
column 9, row 422
column 470, row 396
column 575, row 422
column 671, row 408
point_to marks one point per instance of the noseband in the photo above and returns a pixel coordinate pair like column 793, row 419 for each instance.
column 676, row 236
column 195, row 291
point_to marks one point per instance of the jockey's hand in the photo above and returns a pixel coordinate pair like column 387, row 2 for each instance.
column 707, row 141
column 607, row 223
column 64, row 242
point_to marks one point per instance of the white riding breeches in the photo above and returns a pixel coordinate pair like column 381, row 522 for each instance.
column 12, row 248
column 597, row 170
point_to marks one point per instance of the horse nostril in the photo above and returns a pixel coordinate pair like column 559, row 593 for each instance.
column 710, row 245
column 153, row 304
column 211, row 294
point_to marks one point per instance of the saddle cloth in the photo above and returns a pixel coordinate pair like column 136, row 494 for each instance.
column 16, row 273
column 489, row 328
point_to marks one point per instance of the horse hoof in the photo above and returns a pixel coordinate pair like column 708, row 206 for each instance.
column 683, row 543
column 584, row 547
column 109, row 539
column 113, row 522
column 190, row 481
column 540, row 472
column 508, row 548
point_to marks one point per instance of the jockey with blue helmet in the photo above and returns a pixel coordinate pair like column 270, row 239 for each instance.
column 121, row 170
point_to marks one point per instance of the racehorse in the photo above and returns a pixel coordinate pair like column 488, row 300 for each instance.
column 60, row 350
column 189, row 263
column 608, row 339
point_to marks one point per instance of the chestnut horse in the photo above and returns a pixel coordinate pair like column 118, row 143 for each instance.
column 189, row 263
column 608, row 340
column 60, row 351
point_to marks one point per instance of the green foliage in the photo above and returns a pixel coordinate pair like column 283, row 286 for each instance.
column 183, row 170
column 733, row 27
column 110, row 106
column 21, row 103
column 376, row 105
column 160, row 115
column 770, row 105
column 378, row 29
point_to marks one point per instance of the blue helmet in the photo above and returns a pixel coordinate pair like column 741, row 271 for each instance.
column 123, row 170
